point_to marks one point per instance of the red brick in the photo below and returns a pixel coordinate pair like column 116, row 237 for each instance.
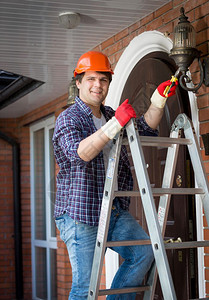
column 166, row 8
column 155, row 24
column 204, row 128
column 107, row 43
column 134, row 26
column 206, row 166
column 128, row 39
column 202, row 9
column 147, row 19
column 204, row 114
column 171, row 15
column 207, row 274
column 121, row 34
column 202, row 36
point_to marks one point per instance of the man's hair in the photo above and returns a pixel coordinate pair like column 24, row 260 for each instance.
column 79, row 77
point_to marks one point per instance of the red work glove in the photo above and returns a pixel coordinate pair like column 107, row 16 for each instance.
column 159, row 96
column 161, row 88
column 124, row 113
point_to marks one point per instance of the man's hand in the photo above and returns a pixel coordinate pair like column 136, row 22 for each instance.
column 171, row 84
column 158, row 98
column 124, row 113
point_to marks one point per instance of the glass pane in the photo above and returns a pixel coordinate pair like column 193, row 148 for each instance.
column 52, row 183
column 41, row 273
column 39, row 185
column 53, row 274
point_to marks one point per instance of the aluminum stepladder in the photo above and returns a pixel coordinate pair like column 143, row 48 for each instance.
column 156, row 221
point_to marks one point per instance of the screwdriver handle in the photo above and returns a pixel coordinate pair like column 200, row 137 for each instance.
column 168, row 88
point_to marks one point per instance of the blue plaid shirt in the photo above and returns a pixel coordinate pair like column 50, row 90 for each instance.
column 80, row 184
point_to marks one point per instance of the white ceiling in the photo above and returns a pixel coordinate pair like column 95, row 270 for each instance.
column 34, row 44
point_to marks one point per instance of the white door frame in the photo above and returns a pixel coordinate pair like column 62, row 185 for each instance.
column 50, row 242
column 143, row 44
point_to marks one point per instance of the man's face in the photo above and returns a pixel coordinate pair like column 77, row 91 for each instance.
column 93, row 88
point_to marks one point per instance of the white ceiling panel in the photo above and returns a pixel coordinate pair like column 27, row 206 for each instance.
column 34, row 44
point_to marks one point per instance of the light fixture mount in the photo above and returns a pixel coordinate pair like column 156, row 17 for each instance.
column 69, row 20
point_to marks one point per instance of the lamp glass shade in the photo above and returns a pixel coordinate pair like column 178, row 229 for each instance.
column 184, row 36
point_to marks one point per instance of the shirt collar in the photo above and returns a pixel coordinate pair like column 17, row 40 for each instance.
column 84, row 107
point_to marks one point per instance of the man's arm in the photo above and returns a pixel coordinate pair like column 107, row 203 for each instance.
column 90, row 147
column 153, row 116
column 154, row 113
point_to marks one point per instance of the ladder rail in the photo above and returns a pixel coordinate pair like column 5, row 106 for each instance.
column 150, row 212
column 200, row 175
column 167, row 183
column 164, row 204
column 104, row 219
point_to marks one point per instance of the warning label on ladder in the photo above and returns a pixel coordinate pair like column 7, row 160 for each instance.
column 161, row 214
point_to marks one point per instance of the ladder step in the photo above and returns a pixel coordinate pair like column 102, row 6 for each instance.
column 174, row 245
column 128, row 243
column 162, row 191
column 185, row 245
column 124, row 290
column 160, row 141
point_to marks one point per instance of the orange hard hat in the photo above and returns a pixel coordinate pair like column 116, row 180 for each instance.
column 93, row 61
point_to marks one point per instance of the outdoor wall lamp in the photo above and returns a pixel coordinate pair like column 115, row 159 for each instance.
column 184, row 53
column 72, row 92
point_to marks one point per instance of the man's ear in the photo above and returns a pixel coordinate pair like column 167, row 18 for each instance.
column 78, row 83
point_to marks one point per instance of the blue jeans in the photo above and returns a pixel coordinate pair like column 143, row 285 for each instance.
column 80, row 240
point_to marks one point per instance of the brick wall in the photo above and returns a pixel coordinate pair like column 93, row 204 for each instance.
column 7, row 263
column 17, row 129
column 162, row 20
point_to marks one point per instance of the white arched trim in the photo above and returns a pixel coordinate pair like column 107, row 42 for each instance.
column 143, row 44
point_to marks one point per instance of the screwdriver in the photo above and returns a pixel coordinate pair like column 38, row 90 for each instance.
column 174, row 78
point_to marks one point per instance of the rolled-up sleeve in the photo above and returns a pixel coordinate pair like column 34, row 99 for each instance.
column 144, row 128
column 66, row 139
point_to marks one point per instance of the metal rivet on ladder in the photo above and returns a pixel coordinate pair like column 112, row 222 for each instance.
column 156, row 246
column 131, row 138
column 98, row 244
column 143, row 191
column 106, row 193
column 91, row 293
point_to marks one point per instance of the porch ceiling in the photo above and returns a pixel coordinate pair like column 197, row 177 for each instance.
column 33, row 44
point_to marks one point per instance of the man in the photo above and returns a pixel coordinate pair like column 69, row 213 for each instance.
column 82, row 140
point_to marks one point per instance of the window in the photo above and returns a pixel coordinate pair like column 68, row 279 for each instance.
column 43, row 234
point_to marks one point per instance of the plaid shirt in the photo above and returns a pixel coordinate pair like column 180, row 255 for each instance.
column 80, row 184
